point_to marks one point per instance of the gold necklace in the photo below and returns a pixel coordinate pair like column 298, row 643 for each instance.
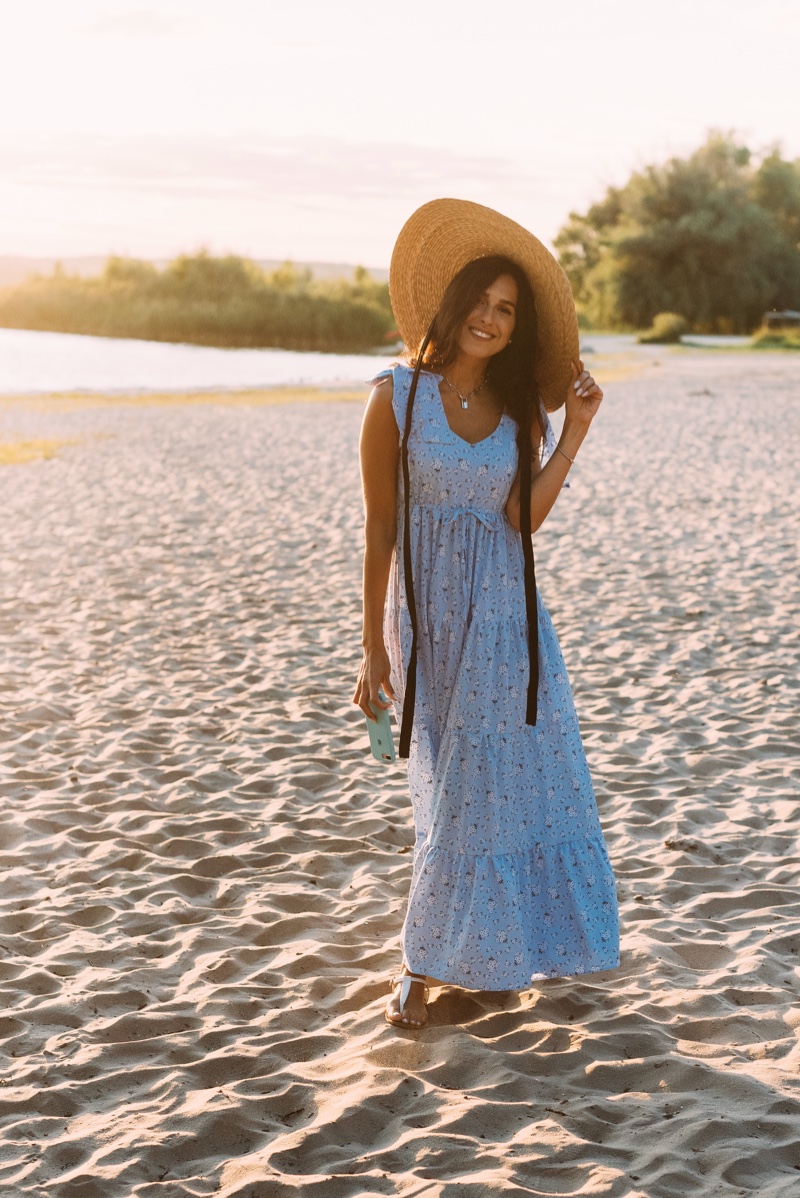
column 465, row 398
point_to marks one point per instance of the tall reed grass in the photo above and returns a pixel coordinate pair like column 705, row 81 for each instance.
column 228, row 302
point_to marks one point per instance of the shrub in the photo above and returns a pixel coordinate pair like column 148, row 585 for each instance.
column 765, row 338
column 667, row 329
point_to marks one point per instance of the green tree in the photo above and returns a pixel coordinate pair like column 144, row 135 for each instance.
column 710, row 238
column 776, row 188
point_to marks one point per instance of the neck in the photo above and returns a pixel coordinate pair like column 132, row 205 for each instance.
column 466, row 372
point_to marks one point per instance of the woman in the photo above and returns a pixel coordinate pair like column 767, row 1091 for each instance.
column 511, row 879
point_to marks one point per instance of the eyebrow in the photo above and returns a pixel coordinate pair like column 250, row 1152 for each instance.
column 504, row 301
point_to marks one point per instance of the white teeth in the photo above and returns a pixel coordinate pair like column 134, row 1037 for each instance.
column 479, row 333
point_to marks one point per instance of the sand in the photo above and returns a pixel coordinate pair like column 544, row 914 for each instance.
column 205, row 873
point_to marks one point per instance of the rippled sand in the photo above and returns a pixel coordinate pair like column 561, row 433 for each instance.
column 205, row 873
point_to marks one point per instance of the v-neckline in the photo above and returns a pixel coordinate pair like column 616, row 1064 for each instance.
column 463, row 440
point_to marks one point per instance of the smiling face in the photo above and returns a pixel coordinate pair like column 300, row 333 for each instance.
column 487, row 329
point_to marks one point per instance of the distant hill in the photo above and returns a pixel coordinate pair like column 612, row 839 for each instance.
column 15, row 269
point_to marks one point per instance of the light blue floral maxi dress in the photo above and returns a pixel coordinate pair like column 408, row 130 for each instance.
column 511, row 879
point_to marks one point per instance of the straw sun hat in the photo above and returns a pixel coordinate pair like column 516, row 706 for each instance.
column 444, row 235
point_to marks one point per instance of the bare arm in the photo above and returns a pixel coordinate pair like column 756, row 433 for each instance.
column 583, row 401
column 379, row 453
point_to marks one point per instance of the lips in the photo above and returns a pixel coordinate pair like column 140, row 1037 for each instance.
column 481, row 335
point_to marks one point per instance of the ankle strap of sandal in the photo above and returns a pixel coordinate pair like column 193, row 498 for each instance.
column 404, row 981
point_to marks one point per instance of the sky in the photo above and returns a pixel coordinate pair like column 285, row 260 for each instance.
column 311, row 129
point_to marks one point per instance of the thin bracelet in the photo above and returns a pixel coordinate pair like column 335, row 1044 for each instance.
column 566, row 455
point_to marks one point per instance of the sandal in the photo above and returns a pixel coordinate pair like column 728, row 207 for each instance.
column 404, row 982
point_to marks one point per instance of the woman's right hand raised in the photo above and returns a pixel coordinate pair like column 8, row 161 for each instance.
column 583, row 397
column 373, row 674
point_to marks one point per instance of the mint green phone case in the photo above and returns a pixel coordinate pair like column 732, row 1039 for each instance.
column 380, row 733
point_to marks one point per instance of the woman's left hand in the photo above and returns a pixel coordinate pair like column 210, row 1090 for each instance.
column 583, row 398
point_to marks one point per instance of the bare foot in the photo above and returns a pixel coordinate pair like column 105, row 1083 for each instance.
column 415, row 1013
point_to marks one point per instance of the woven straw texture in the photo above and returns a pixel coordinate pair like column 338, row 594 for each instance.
column 444, row 235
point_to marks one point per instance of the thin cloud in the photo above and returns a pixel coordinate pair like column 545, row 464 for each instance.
column 303, row 170
column 139, row 22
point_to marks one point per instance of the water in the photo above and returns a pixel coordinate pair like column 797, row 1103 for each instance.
column 717, row 341
column 33, row 362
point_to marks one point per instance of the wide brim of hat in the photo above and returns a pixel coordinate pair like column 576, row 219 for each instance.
column 444, row 235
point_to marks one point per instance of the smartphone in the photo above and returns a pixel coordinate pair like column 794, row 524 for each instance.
column 380, row 732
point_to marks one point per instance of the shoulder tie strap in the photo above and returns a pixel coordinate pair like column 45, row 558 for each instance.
column 411, row 670
column 531, row 606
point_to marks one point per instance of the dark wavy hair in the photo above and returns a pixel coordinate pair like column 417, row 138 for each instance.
column 511, row 373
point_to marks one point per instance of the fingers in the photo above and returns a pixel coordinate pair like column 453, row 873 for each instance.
column 374, row 698
column 364, row 695
column 363, row 703
column 582, row 382
column 361, row 699
column 367, row 709
column 585, row 384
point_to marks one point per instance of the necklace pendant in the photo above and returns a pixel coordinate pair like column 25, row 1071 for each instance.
column 464, row 402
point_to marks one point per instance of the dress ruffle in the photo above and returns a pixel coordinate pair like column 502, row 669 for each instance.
column 470, row 920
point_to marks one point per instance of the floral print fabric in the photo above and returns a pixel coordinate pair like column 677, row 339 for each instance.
column 511, row 879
